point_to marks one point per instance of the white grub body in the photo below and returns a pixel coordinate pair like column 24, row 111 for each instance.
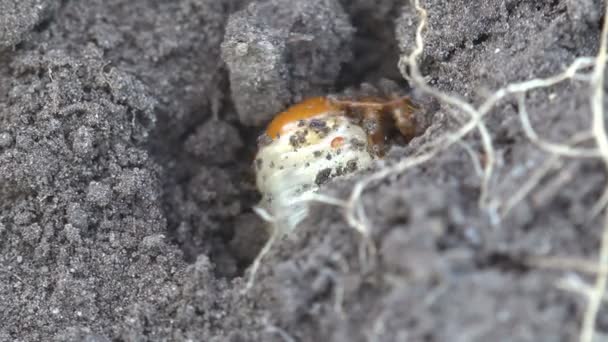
column 307, row 154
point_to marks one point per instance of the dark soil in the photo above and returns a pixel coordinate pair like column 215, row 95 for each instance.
column 127, row 135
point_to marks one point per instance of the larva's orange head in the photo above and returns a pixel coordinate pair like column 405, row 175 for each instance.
column 307, row 109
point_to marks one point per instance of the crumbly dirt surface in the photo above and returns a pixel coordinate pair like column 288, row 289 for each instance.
column 127, row 136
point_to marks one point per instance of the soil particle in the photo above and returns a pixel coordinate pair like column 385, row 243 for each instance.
column 298, row 138
column 323, row 176
column 280, row 51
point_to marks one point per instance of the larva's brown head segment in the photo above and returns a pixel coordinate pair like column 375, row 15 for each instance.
column 379, row 116
column 402, row 111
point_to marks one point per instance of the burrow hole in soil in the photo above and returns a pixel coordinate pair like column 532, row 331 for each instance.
column 214, row 216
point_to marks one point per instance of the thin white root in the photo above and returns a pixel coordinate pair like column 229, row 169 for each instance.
column 573, row 283
column 474, row 158
column 255, row 266
column 554, row 186
column 599, row 206
column 556, row 149
column 322, row 198
column 264, row 214
column 534, row 179
column 564, row 264
column 271, row 328
column 599, row 131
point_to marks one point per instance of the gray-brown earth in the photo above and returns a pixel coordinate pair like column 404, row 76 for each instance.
column 126, row 187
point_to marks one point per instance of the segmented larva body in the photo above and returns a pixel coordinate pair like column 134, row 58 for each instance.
column 314, row 141
column 303, row 148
